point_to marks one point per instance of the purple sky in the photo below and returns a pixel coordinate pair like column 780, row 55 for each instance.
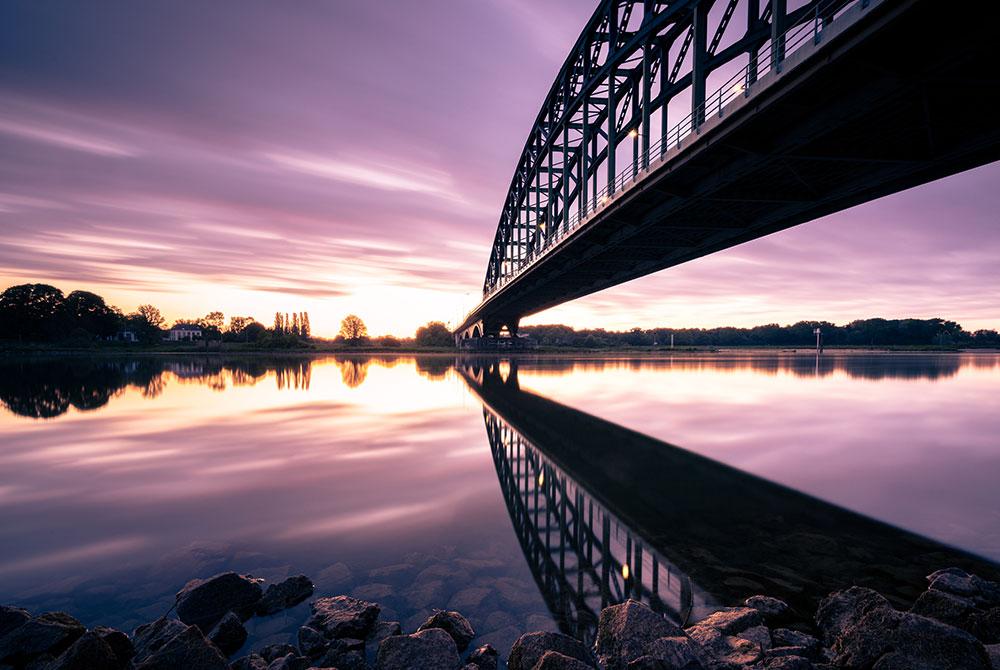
column 344, row 157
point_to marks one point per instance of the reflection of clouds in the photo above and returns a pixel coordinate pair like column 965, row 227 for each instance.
column 88, row 552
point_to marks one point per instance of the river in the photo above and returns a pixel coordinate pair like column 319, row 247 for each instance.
column 525, row 493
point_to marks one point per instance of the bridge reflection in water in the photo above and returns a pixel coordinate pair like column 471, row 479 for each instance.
column 583, row 557
column 603, row 513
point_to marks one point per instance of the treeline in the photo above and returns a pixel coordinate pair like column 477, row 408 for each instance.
column 41, row 313
column 864, row 332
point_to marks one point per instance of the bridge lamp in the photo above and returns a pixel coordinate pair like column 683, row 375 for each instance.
column 625, row 571
column 739, row 88
column 541, row 478
column 633, row 133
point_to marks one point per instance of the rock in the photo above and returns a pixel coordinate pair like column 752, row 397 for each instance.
column 993, row 651
column 786, row 637
column 944, row 606
column 289, row 662
column 789, row 663
column 732, row 649
column 229, row 634
column 344, row 654
column 188, row 649
column 334, row 577
column 732, row 620
column 250, row 662
column 469, row 599
column 903, row 640
column 382, row 630
column 843, row 609
column 771, row 609
column 985, row 625
column 312, row 643
column 283, row 595
column 530, row 648
column 203, row 602
column 453, row 623
column 343, row 616
column 50, row 633
column 11, row 618
column 272, row 652
column 89, row 652
column 431, row 649
column 624, row 630
column 117, row 640
column 957, row 582
column 676, row 652
column 149, row 637
column 553, row 660
column 484, row 657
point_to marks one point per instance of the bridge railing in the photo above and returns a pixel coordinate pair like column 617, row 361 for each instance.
column 808, row 29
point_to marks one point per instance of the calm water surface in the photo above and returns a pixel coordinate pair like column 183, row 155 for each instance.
column 525, row 494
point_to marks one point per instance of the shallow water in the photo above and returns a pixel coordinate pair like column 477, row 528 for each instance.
column 526, row 494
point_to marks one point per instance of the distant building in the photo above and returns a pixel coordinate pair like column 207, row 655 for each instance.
column 125, row 336
column 184, row 331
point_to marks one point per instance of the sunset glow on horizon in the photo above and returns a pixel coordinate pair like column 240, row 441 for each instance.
column 256, row 160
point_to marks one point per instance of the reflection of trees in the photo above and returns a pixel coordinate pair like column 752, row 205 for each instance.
column 353, row 371
column 434, row 367
column 45, row 388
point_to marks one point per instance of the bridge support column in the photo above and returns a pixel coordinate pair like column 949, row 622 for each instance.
column 778, row 11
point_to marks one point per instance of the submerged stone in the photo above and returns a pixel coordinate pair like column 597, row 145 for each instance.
column 343, row 616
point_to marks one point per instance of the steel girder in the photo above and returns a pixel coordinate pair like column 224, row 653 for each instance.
column 632, row 59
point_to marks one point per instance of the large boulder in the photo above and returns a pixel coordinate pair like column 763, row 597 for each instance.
column 272, row 652
column 117, row 640
column 786, row 637
column 189, row 649
column 431, row 649
column 530, row 648
column 734, row 635
column 149, row 637
column 454, row 624
column 344, row 654
column 343, row 616
column 624, row 630
column 203, row 602
column 283, row 595
column 894, row 639
column 675, row 652
column 312, row 642
column 771, row 609
column 91, row 651
column 841, row 610
column 11, row 618
column 290, row 662
column 229, row 634
column 51, row 633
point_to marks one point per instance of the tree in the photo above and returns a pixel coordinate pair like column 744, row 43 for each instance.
column 304, row 325
column 150, row 315
column 212, row 321
column 295, row 324
column 353, row 329
column 32, row 312
column 434, row 334
column 89, row 312
column 279, row 324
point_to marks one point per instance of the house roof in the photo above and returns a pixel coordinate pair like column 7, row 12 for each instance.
column 185, row 326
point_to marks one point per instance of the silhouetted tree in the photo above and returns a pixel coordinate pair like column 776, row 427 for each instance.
column 146, row 321
column 89, row 312
column 304, row 322
column 353, row 329
column 295, row 324
column 31, row 312
column 279, row 324
column 434, row 334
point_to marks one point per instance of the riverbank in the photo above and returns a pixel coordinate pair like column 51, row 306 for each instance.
column 953, row 624
column 13, row 349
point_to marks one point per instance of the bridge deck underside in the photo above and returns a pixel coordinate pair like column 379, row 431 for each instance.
column 869, row 116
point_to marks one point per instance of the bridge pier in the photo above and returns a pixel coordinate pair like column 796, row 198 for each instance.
column 485, row 333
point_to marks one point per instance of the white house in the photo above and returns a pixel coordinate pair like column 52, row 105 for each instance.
column 184, row 331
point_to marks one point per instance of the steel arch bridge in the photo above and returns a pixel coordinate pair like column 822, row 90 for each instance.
column 676, row 128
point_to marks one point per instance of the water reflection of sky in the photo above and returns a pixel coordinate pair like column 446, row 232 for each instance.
column 378, row 474
column 912, row 440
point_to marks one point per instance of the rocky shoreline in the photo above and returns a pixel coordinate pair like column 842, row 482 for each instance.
column 953, row 625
